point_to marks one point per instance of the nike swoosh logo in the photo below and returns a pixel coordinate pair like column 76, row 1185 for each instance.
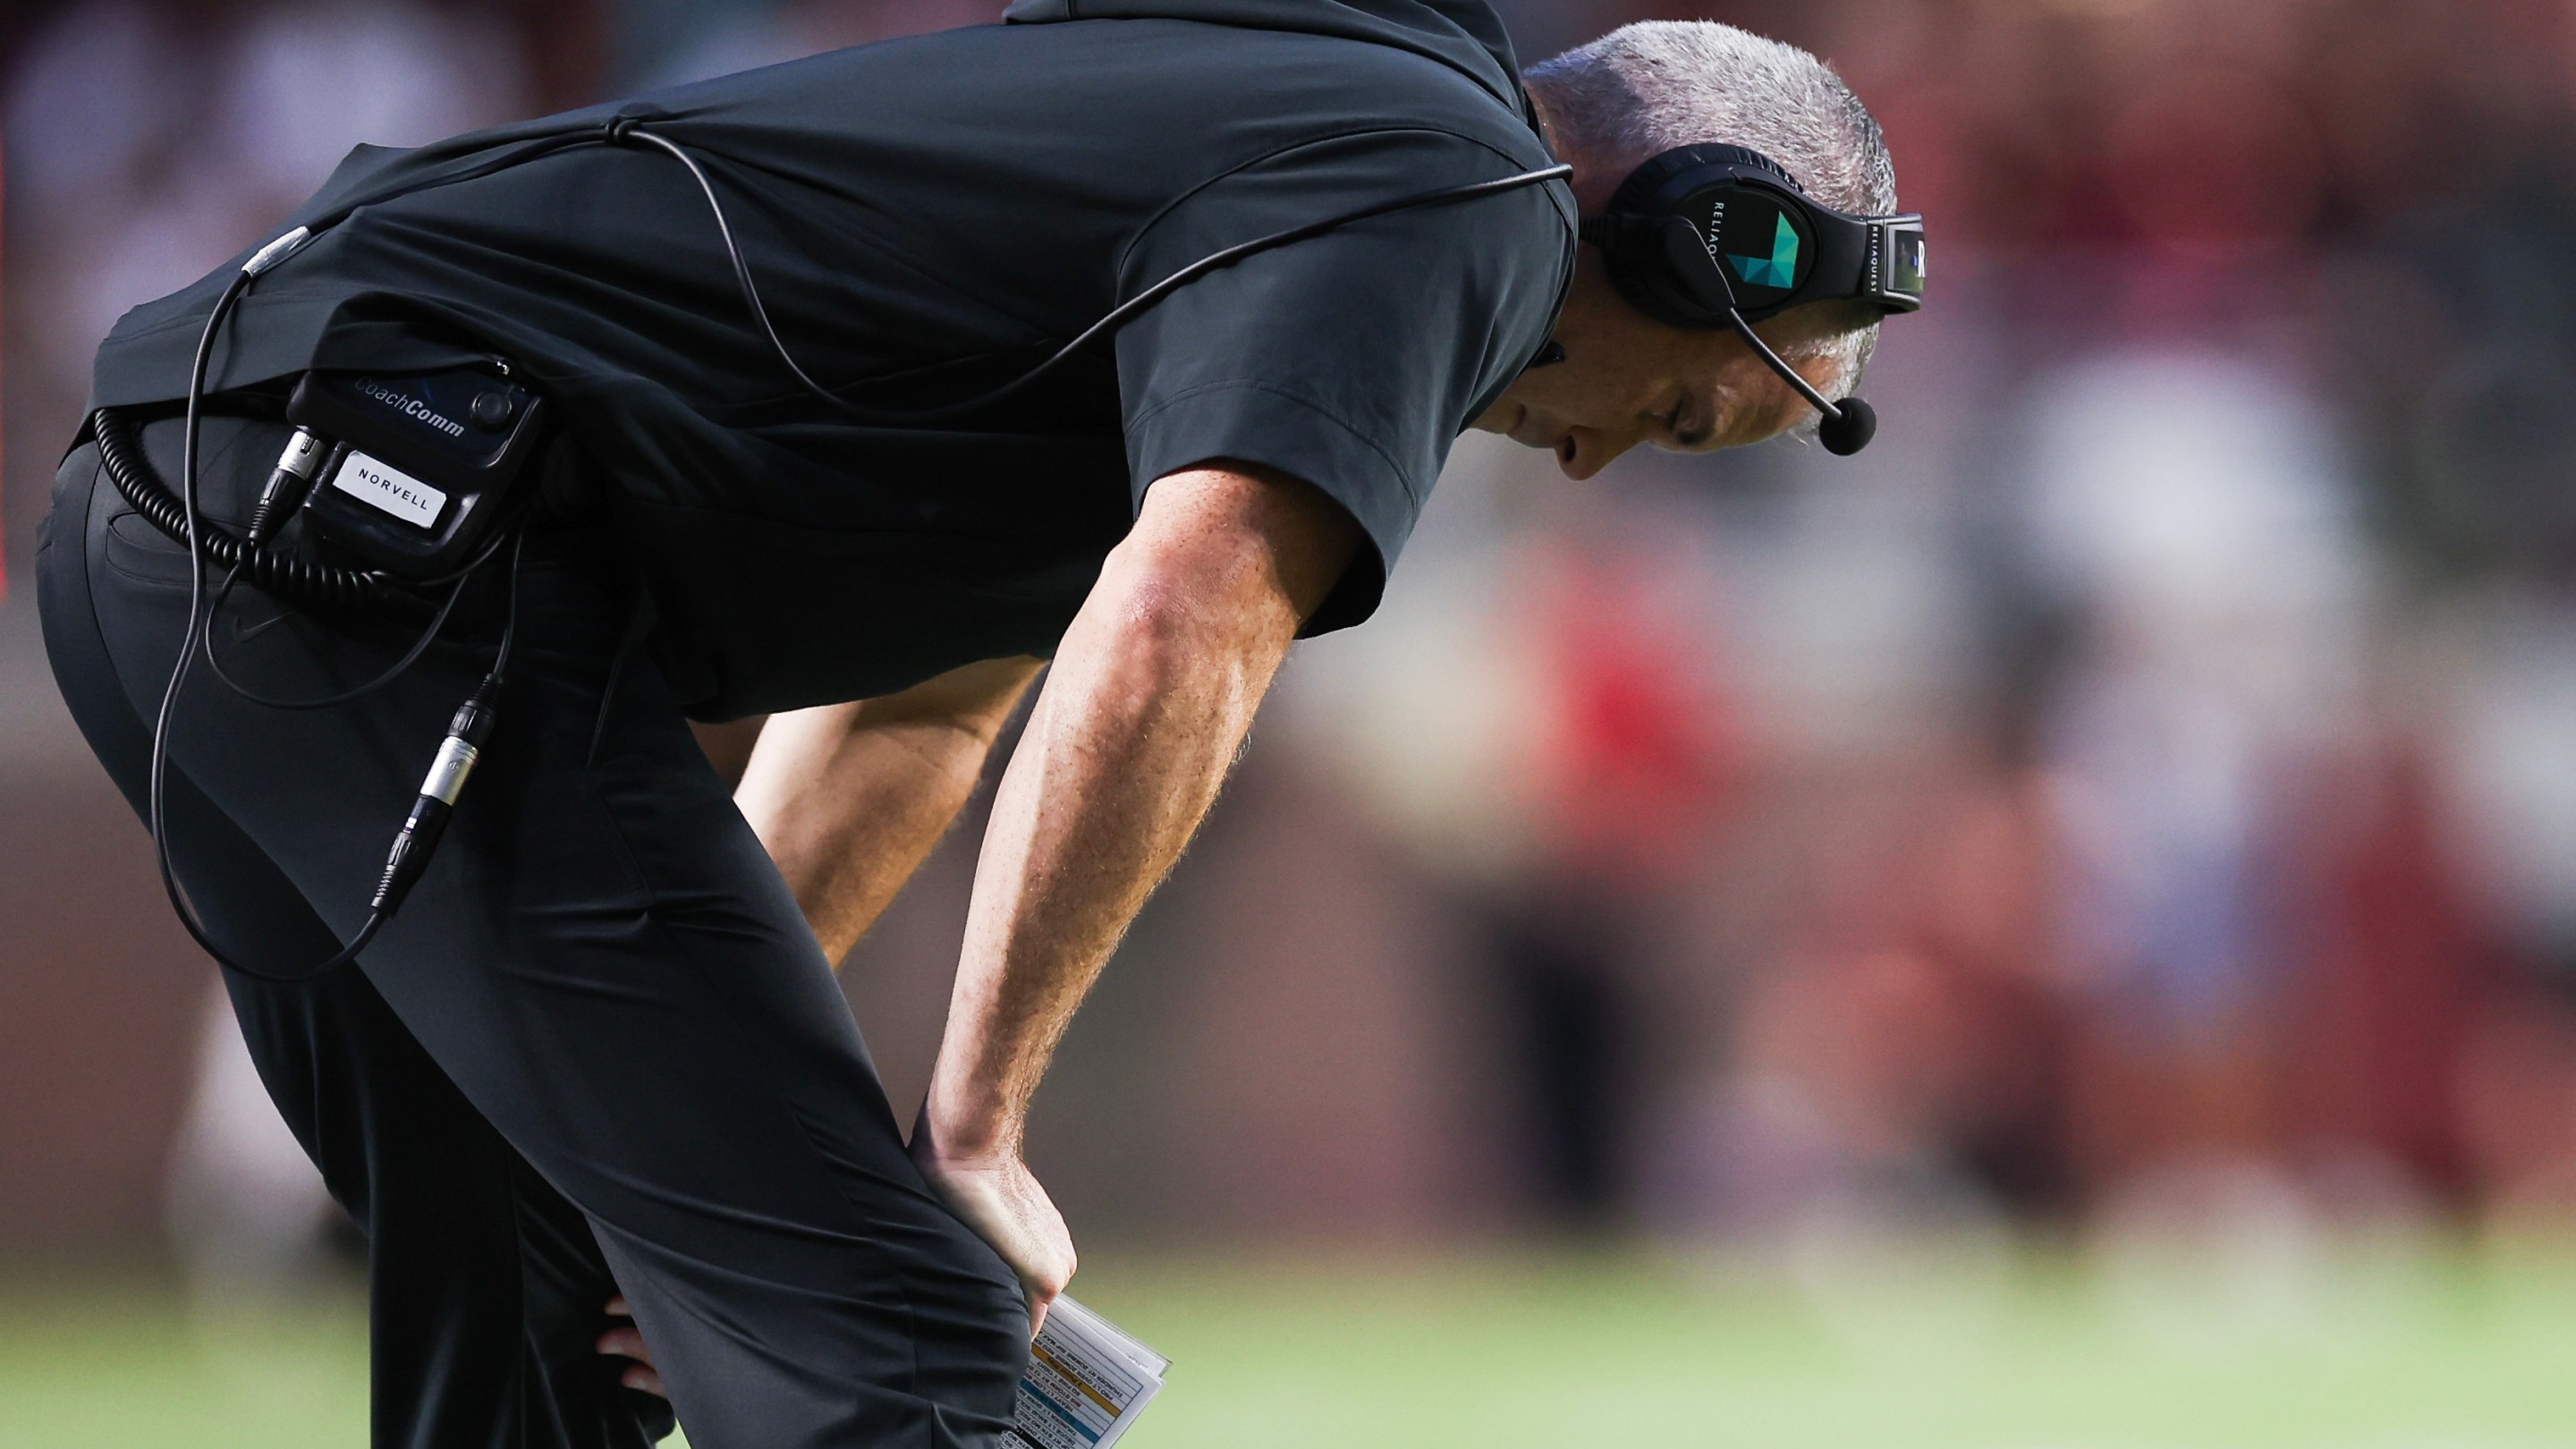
column 244, row 633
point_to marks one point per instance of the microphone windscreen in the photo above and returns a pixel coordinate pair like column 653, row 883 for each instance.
column 1849, row 429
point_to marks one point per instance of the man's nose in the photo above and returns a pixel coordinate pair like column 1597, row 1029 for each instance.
column 1592, row 450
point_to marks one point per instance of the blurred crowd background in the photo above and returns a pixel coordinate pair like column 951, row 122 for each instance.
column 2135, row 801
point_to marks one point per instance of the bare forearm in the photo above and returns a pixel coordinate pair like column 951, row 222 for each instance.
column 849, row 799
column 1151, row 696
column 1153, row 688
column 1124, row 762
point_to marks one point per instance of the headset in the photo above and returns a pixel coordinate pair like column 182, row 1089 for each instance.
column 1712, row 236
column 415, row 474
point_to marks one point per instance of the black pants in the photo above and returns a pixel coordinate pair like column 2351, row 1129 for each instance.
column 597, row 1051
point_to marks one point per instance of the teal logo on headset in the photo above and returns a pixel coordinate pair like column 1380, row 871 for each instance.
column 1777, row 269
column 1759, row 243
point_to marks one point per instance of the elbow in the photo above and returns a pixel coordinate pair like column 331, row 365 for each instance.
column 1161, row 646
column 1208, row 590
column 1217, row 625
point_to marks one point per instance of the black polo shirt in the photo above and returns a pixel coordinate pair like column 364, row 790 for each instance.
column 927, row 218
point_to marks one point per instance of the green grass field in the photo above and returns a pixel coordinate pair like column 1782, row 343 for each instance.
column 2424, row 1349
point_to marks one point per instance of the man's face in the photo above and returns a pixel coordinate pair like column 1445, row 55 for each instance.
column 1629, row 379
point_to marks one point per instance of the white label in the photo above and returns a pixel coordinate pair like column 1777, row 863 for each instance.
column 385, row 486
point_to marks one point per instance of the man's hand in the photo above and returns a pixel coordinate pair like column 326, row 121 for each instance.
column 999, row 1198
column 623, row 1340
column 1146, row 708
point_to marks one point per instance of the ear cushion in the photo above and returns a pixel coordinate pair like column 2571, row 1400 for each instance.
column 1642, row 234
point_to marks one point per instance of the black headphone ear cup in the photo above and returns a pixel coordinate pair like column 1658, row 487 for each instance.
column 1650, row 238
column 1662, row 268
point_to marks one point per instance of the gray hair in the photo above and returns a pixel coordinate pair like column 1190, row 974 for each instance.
column 1649, row 87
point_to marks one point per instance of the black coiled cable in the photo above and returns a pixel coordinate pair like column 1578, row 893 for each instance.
column 281, row 572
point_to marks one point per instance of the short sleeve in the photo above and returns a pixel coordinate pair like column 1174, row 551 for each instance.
column 1354, row 359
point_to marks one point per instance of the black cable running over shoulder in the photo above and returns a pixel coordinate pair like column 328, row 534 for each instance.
column 627, row 129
